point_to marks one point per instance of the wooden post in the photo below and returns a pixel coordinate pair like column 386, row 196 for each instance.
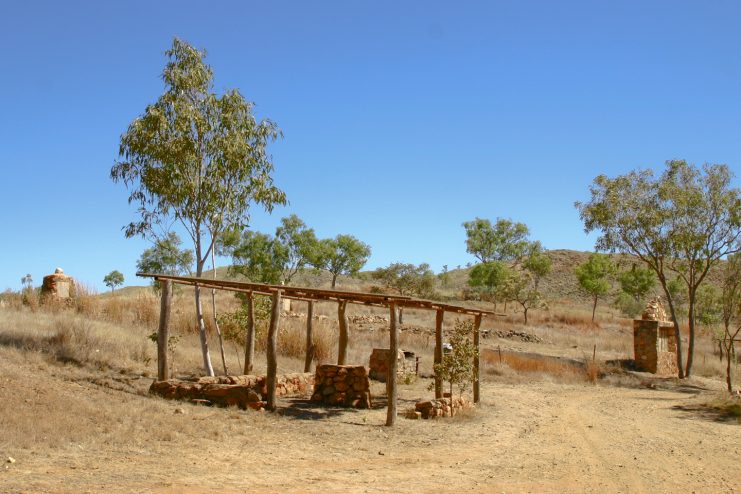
column 163, row 335
column 309, row 336
column 476, row 358
column 273, row 350
column 249, row 346
column 439, row 316
column 342, row 350
column 392, row 366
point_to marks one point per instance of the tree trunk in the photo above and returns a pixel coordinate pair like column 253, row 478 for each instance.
column 273, row 351
column 162, row 333
column 207, row 367
column 476, row 360
column 401, row 315
column 249, row 346
column 334, row 280
column 392, row 366
column 525, row 309
column 309, row 336
column 342, row 347
column 691, row 322
column 677, row 332
column 594, row 308
column 216, row 321
column 439, row 316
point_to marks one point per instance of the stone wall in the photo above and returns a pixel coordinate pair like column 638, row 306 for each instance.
column 444, row 407
column 655, row 346
column 342, row 385
column 379, row 364
column 240, row 391
column 57, row 286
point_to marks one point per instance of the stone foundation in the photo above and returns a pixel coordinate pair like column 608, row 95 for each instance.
column 438, row 408
column 239, row 391
column 655, row 347
column 57, row 286
column 342, row 385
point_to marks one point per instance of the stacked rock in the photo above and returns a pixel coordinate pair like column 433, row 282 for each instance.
column 57, row 286
column 379, row 364
column 342, row 385
column 240, row 391
column 444, row 407
column 654, row 311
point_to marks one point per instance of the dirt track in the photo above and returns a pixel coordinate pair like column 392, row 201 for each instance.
column 533, row 437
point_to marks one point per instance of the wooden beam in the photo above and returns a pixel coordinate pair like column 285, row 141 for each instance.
column 392, row 366
column 342, row 346
column 163, row 335
column 476, row 358
column 249, row 345
column 273, row 351
column 309, row 336
column 439, row 316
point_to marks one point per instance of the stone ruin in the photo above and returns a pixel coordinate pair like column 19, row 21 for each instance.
column 654, row 341
column 240, row 391
column 444, row 407
column 342, row 385
column 379, row 363
column 58, row 286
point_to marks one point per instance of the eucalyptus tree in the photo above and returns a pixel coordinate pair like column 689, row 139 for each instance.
column 113, row 279
column 679, row 224
column 505, row 240
column 166, row 257
column 406, row 279
column 594, row 277
column 197, row 158
column 342, row 255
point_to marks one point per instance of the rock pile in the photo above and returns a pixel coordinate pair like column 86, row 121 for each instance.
column 444, row 407
column 654, row 311
column 367, row 319
column 240, row 391
column 520, row 335
column 342, row 385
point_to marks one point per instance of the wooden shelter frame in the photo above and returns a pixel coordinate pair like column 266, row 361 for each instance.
column 311, row 295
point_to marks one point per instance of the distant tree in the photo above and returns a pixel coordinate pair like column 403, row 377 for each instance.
column 504, row 241
column 27, row 282
column 342, row 255
column 197, row 158
column 684, row 223
column 300, row 245
column 406, row 279
column 637, row 282
column 444, row 276
column 166, row 257
column 594, row 277
column 113, row 279
column 490, row 279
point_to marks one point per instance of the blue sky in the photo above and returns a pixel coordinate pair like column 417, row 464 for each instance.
column 401, row 119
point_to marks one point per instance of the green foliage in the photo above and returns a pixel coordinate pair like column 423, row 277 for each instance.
column 595, row 274
column 407, row 279
column 342, row 255
column 490, row 278
column 504, row 241
column 708, row 305
column 521, row 288
column 267, row 259
column 166, row 257
column 196, row 157
column 628, row 305
column 637, row 282
column 456, row 366
column 113, row 279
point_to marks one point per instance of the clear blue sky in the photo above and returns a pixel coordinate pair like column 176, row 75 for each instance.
column 401, row 119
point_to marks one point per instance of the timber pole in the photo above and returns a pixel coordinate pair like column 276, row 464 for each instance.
column 163, row 330
column 476, row 359
column 342, row 350
column 392, row 366
column 249, row 346
column 309, row 336
column 273, row 350
column 439, row 316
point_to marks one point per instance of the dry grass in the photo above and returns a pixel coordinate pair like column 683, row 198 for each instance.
column 511, row 365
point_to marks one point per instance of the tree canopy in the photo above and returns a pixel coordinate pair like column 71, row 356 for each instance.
column 503, row 241
column 166, row 257
column 342, row 255
column 595, row 277
column 113, row 279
